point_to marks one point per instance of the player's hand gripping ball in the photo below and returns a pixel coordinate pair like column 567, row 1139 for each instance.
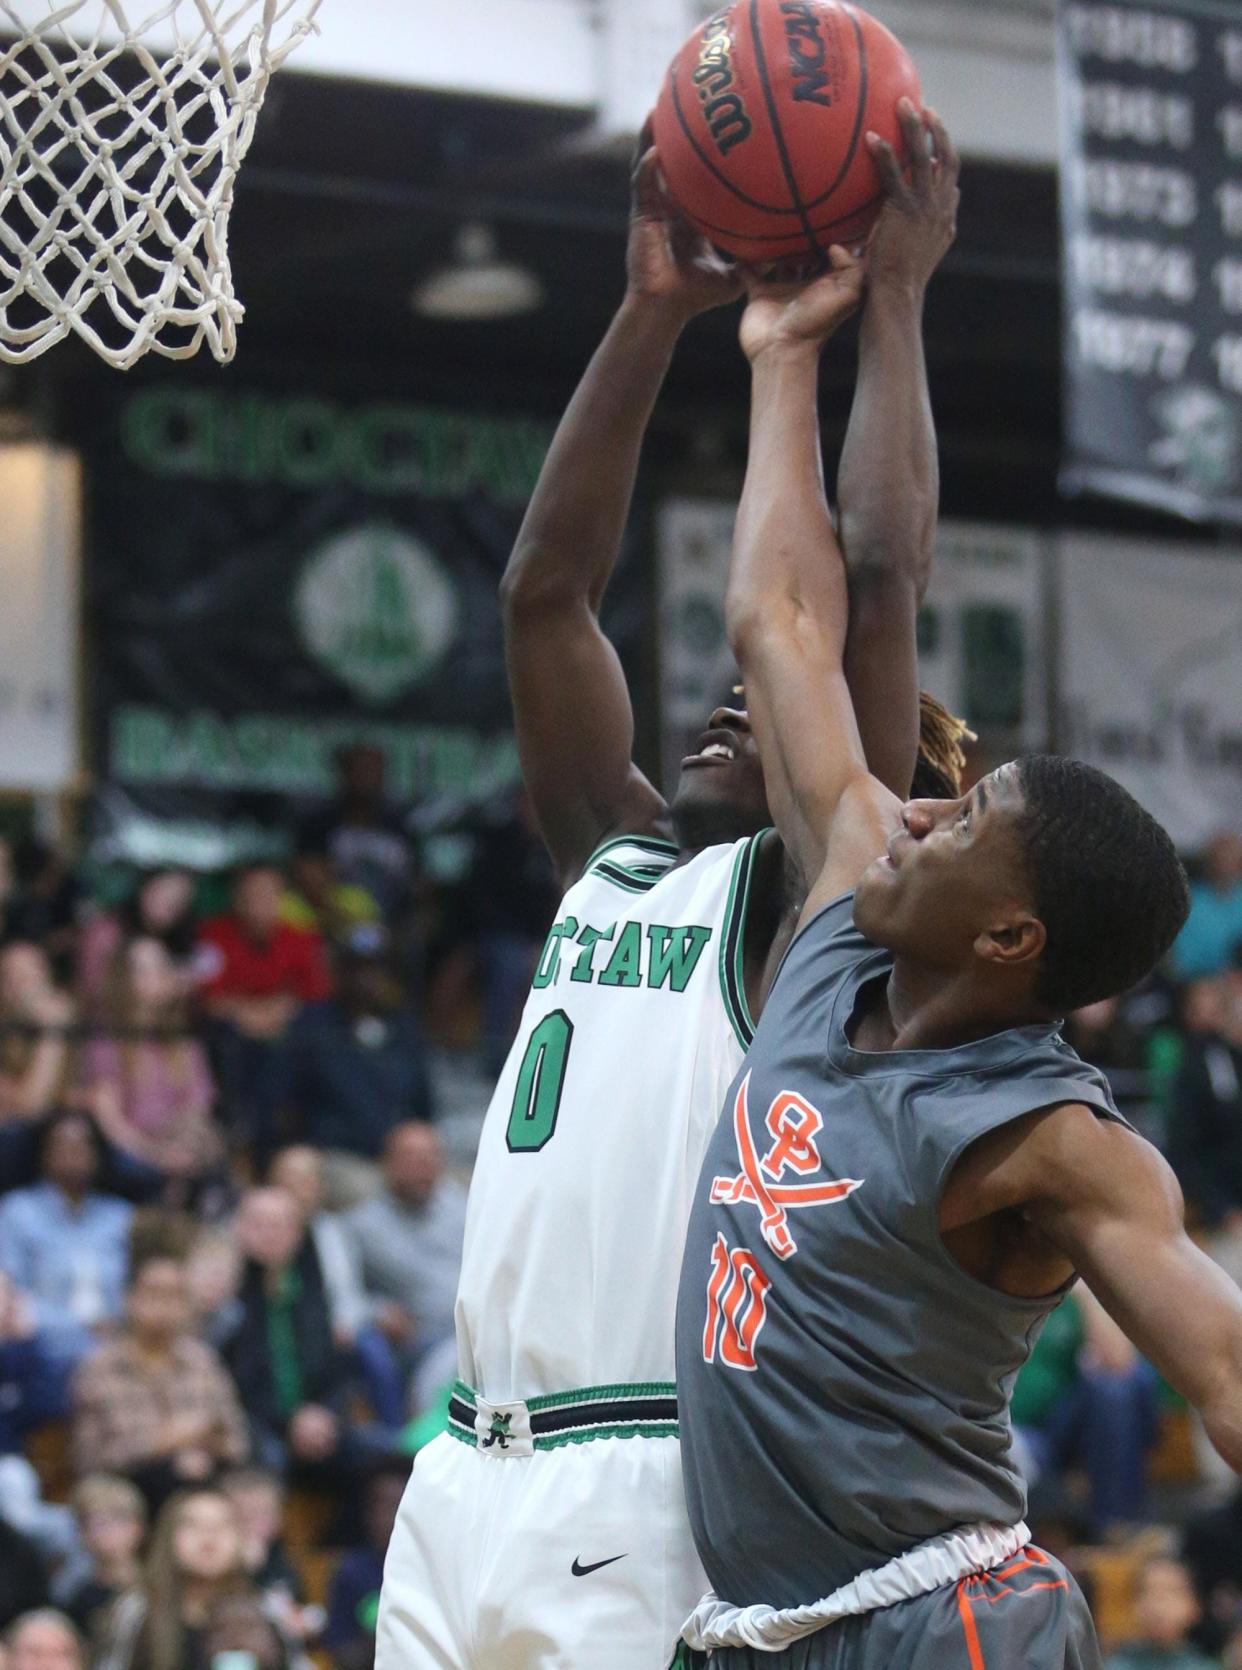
column 761, row 121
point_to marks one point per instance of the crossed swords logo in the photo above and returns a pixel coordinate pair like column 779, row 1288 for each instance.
column 793, row 1124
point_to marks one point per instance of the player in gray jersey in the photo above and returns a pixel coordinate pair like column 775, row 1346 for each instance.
column 912, row 1166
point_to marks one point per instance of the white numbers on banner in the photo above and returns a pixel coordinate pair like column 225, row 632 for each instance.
column 1228, row 356
column 1229, row 121
column 1135, row 347
column 1229, row 202
column 1120, row 35
column 1228, row 276
column 1230, row 45
column 1113, row 111
column 1138, row 191
column 1135, row 267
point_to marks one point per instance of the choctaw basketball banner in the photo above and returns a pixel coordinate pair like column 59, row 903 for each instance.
column 1151, row 677
column 273, row 576
column 1151, row 197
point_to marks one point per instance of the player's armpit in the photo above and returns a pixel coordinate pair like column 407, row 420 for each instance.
column 575, row 730
column 1110, row 1202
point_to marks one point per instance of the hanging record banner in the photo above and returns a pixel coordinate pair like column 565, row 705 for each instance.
column 1151, row 124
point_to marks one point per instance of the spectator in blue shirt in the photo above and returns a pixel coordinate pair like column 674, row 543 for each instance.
column 353, row 1604
column 65, row 1245
column 354, row 1067
column 1214, row 926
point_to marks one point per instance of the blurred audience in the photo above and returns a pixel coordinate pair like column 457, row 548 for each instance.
column 1214, row 926
column 292, row 1377
column 318, row 901
column 353, row 1605
column 301, row 1170
column 241, row 1635
column 155, row 1403
column 1212, row 1549
column 1086, row 1398
column 513, row 895
column 354, row 1066
column 363, row 834
column 32, row 1393
column 64, row 1243
column 36, row 1031
column 194, row 1564
column 111, row 1514
column 160, row 907
column 258, row 1499
column 1165, row 1610
column 147, row 1074
column 23, row 1575
column 255, row 973
column 408, row 1243
column 43, row 1640
column 46, row 900
column 1205, row 1138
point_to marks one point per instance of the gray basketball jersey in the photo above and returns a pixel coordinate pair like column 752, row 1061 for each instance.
column 843, row 1384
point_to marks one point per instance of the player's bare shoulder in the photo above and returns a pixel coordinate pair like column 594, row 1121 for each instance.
column 1062, row 1156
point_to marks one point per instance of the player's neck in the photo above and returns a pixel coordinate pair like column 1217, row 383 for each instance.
column 930, row 1008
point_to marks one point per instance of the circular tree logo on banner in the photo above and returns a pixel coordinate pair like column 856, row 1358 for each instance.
column 376, row 608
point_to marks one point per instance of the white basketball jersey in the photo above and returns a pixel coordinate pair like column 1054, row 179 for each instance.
column 634, row 1029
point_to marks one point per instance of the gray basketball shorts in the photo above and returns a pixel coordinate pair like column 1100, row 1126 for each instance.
column 1028, row 1614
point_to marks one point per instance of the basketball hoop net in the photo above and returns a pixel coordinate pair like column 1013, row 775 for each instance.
column 119, row 149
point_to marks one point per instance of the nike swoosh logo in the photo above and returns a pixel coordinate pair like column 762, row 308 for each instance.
column 585, row 1571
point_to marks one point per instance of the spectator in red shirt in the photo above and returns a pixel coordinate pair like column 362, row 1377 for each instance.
column 255, row 973
column 256, row 970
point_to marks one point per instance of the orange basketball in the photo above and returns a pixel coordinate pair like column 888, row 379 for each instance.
column 761, row 119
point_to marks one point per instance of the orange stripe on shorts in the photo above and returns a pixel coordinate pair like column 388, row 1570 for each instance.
column 969, row 1627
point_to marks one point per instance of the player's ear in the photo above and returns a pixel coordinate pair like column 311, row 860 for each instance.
column 1014, row 939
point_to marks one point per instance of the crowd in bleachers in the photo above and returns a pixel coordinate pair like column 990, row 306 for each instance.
column 230, row 1235
column 229, row 1231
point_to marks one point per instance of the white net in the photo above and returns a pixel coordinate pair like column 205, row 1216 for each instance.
column 120, row 144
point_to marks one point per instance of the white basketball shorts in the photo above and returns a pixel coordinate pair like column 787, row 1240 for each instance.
column 521, row 1551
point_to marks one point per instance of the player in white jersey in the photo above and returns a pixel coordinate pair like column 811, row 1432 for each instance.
column 546, row 1530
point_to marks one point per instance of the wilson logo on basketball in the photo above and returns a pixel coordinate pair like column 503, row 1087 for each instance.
column 723, row 111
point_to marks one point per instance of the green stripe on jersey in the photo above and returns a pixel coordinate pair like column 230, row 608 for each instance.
column 619, row 876
column 733, row 943
column 651, row 844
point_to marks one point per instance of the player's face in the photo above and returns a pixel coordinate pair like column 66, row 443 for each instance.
column 953, row 871
column 721, row 783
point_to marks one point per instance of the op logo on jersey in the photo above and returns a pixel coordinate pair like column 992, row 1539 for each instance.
column 793, row 1124
column 785, row 1180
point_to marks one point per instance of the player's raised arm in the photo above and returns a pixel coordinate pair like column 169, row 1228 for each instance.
column 574, row 721
column 1110, row 1202
column 788, row 607
column 888, row 488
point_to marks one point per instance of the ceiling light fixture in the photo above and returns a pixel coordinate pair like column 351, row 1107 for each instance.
column 478, row 285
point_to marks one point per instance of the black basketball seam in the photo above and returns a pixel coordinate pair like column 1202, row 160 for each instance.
column 864, row 83
column 784, row 237
column 761, row 63
column 751, row 202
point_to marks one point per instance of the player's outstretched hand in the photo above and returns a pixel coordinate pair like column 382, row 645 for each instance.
column 802, row 315
column 918, row 223
column 667, row 261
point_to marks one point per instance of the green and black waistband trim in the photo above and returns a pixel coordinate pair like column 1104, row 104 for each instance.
column 632, row 1411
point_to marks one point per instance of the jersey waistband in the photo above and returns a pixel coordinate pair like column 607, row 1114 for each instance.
column 520, row 1427
column 938, row 1564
